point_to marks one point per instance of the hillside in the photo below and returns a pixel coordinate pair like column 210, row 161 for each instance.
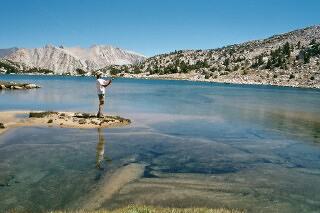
column 4, row 52
column 290, row 59
column 73, row 60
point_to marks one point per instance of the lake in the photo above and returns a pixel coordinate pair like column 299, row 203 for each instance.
column 200, row 145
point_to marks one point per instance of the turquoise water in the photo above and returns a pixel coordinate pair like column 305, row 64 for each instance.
column 260, row 144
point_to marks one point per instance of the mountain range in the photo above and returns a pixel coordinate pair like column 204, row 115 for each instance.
column 62, row 59
column 289, row 59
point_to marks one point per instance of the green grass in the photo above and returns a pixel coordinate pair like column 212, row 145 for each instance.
column 149, row 209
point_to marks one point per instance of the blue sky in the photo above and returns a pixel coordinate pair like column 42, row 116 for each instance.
column 150, row 26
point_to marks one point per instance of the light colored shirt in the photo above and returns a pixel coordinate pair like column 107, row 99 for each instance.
column 100, row 88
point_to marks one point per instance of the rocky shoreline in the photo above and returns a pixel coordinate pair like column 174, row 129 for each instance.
column 243, row 81
column 17, row 86
column 198, row 78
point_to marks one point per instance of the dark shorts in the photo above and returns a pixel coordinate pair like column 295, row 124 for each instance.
column 101, row 98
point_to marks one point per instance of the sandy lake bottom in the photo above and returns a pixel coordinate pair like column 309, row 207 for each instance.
column 189, row 145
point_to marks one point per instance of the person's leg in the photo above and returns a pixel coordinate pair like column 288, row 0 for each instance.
column 101, row 104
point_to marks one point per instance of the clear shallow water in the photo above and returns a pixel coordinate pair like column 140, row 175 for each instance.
column 261, row 145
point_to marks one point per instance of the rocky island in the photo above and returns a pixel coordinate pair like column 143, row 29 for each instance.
column 59, row 119
column 17, row 86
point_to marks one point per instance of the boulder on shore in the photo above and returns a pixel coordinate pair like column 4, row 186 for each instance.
column 31, row 86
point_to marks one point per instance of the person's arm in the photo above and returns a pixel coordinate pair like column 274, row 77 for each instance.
column 107, row 83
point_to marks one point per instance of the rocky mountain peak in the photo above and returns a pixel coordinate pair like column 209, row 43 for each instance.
column 70, row 59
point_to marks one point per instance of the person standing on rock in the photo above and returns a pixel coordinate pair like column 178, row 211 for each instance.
column 101, row 90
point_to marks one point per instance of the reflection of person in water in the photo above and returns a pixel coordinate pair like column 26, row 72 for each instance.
column 100, row 150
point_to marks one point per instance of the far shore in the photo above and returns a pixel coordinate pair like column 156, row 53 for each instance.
column 175, row 77
column 216, row 81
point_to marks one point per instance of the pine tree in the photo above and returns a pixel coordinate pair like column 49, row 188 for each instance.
column 306, row 58
column 286, row 49
column 269, row 64
column 313, row 42
column 299, row 44
column 226, row 62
